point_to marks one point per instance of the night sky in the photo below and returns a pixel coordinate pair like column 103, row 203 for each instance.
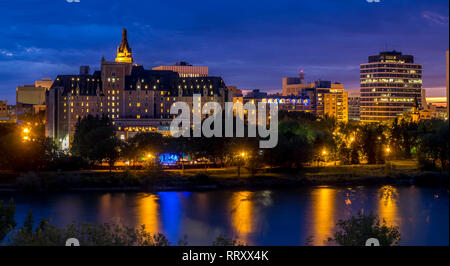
column 251, row 44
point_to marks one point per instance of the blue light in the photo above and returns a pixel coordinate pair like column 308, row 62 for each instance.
column 168, row 158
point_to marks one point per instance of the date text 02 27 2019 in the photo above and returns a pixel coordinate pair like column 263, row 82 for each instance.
column 231, row 255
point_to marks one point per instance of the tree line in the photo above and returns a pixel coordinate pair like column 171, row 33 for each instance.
column 303, row 139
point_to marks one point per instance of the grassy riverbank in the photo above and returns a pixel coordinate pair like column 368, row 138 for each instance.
column 396, row 172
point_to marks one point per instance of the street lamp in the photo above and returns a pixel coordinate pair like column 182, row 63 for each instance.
column 240, row 162
column 388, row 151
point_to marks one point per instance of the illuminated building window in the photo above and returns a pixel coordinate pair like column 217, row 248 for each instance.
column 138, row 116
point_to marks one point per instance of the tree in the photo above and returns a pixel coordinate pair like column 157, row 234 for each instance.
column 7, row 221
column 295, row 145
column 403, row 137
column 95, row 139
column 371, row 140
column 433, row 144
column 356, row 230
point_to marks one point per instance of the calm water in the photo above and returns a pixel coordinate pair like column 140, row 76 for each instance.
column 266, row 217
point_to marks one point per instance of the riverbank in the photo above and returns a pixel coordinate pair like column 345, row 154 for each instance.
column 396, row 172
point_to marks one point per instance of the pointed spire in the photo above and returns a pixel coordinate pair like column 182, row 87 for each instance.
column 124, row 50
column 124, row 46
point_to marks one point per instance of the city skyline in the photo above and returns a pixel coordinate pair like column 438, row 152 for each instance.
column 246, row 51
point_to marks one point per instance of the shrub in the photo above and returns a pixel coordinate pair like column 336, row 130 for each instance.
column 356, row 230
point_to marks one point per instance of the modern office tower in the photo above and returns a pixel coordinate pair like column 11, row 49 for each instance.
column 448, row 98
column 185, row 69
column 336, row 104
column 353, row 109
column 390, row 84
column 136, row 99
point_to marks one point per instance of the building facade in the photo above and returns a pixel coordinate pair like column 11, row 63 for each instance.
column 30, row 98
column 448, row 88
column 135, row 99
column 390, row 84
column 354, row 108
column 186, row 70
column 326, row 98
column 4, row 117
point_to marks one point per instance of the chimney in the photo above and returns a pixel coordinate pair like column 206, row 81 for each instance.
column 84, row 70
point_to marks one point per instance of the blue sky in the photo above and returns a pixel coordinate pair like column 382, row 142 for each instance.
column 251, row 44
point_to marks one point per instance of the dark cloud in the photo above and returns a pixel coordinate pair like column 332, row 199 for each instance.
column 251, row 44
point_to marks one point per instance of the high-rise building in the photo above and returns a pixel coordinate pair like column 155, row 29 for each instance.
column 336, row 104
column 448, row 98
column 136, row 99
column 354, row 109
column 390, row 84
column 185, row 69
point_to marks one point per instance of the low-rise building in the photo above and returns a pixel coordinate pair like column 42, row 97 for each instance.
column 186, row 70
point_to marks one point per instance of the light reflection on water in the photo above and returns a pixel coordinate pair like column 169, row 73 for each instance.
column 387, row 205
column 269, row 217
column 324, row 200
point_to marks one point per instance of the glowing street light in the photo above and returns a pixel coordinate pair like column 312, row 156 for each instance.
column 324, row 152
column 26, row 130
column 388, row 150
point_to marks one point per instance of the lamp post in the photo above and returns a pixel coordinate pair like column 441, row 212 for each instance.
column 240, row 162
column 324, row 154
column 388, row 152
column 26, row 134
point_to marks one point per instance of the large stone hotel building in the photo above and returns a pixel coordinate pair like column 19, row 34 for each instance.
column 136, row 99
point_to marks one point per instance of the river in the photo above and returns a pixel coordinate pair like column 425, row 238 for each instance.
column 264, row 217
